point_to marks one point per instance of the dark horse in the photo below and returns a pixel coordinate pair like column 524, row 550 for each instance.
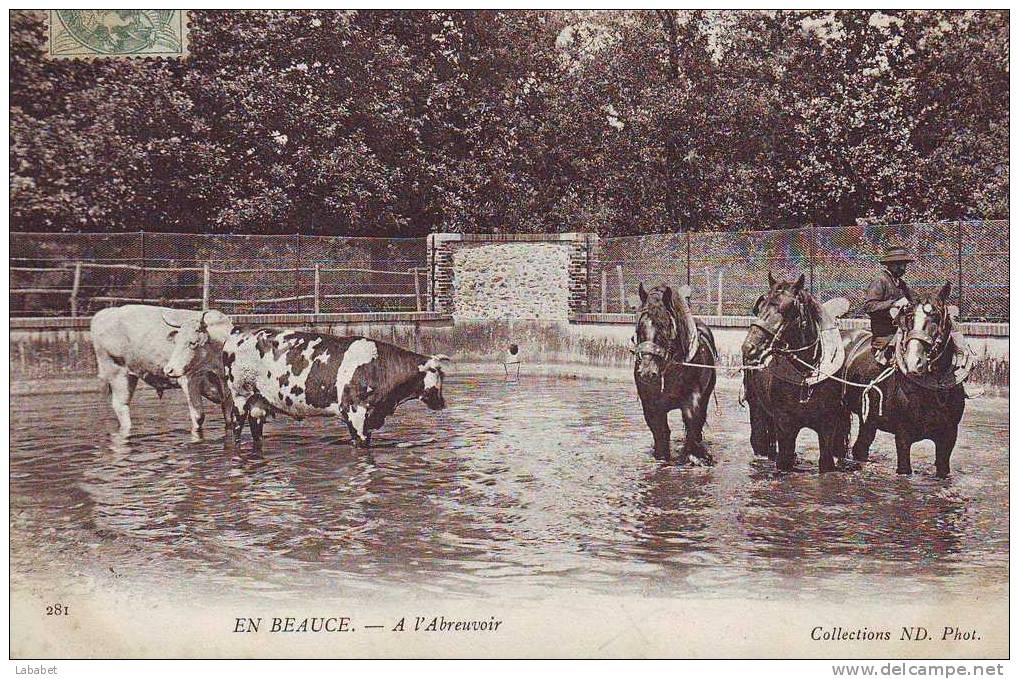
column 789, row 393
column 668, row 336
column 921, row 399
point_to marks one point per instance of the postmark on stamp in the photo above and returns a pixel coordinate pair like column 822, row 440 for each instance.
column 117, row 33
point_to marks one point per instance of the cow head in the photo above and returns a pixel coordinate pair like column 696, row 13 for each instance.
column 194, row 339
column 431, row 393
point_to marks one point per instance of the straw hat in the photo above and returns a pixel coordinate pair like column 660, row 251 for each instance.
column 896, row 253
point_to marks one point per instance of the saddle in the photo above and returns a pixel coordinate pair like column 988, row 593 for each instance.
column 833, row 355
column 891, row 354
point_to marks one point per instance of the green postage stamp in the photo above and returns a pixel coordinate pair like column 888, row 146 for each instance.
column 117, row 33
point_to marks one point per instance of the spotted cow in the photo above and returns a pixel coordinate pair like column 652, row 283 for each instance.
column 308, row 374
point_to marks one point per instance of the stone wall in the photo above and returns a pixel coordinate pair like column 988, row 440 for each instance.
column 525, row 271
column 511, row 280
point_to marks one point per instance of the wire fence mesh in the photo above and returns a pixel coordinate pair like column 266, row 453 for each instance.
column 78, row 274
column 727, row 271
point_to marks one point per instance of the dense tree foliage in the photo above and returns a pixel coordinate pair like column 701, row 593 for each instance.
column 402, row 123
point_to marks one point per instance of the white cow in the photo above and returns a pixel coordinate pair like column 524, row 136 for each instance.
column 163, row 347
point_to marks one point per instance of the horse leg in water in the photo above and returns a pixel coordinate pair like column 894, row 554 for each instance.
column 762, row 437
column 944, row 443
column 903, row 445
column 864, row 439
column 786, row 448
column 658, row 422
column 836, row 439
column 694, row 416
column 826, row 442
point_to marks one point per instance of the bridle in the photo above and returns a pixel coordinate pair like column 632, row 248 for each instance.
column 651, row 348
column 777, row 343
column 937, row 344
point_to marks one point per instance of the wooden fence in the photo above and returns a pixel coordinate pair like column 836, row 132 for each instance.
column 411, row 278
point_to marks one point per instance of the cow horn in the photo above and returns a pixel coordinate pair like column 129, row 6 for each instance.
column 172, row 325
column 201, row 322
column 441, row 357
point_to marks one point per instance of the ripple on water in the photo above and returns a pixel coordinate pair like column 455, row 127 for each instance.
column 547, row 483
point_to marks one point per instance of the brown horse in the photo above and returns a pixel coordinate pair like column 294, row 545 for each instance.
column 667, row 337
column 921, row 398
column 784, row 395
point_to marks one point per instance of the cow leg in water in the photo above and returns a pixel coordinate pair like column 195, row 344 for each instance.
column 234, row 403
column 122, row 386
column 238, row 419
column 356, row 419
column 903, row 445
column 255, row 425
column 864, row 439
column 658, row 422
column 193, row 396
column 227, row 405
column 944, row 444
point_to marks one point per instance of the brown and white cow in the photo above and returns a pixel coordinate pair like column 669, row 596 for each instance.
column 308, row 374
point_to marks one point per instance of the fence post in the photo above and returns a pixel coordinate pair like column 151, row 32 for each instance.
column 623, row 289
column 417, row 290
column 813, row 254
column 297, row 274
column 74, row 289
column 958, row 286
column 144, row 275
column 205, row 286
column 604, row 289
column 318, row 284
column 688, row 257
column 719, row 301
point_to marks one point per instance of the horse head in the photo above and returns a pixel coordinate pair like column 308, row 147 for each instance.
column 925, row 332
column 666, row 331
column 785, row 318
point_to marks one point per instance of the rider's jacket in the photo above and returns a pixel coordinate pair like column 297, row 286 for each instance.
column 882, row 294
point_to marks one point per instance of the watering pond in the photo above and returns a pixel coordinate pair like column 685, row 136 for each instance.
column 513, row 490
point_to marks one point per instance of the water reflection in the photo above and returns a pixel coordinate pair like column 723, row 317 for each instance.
column 544, row 483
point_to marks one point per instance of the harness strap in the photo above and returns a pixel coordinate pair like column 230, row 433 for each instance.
column 650, row 348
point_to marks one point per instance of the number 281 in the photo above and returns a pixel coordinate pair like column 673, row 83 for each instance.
column 58, row 609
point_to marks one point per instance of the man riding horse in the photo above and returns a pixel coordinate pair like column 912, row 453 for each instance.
column 886, row 296
column 909, row 380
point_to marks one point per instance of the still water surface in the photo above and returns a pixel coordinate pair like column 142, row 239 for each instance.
column 513, row 490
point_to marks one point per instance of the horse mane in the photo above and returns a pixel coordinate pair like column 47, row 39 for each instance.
column 812, row 306
column 654, row 308
column 665, row 322
column 807, row 300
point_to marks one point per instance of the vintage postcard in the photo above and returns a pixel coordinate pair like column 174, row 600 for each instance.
column 116, row 33
column 510, row 334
